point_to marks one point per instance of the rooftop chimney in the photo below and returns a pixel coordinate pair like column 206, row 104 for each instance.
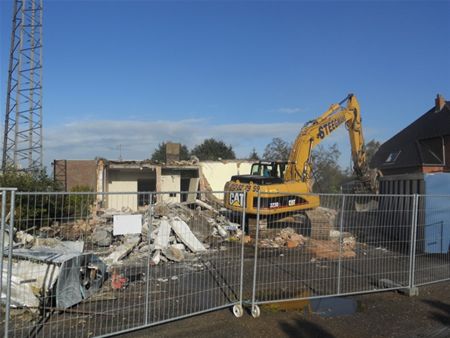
column 440, row 103
column 172, row 152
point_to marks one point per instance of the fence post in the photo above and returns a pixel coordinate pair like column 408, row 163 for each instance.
column 413, row 291
column 147, row 273
column 341, row 226
column 241, row 290
column 255, row 309
column 2, row 238
column 9, row 270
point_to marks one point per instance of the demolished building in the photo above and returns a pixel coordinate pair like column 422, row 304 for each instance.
column 109, row 176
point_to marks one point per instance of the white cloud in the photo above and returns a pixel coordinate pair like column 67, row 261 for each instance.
column 88, row 139
column 290, row 110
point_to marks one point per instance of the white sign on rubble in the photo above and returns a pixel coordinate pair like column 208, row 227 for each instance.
column 127, row 224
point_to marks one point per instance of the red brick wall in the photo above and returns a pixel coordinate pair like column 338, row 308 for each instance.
column 72, row 173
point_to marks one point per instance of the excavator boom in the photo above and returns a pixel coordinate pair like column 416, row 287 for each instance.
column 315, row 131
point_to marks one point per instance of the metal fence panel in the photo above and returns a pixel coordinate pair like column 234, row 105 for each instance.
column 350, row 244
column 432, row 262
column 96, row 264
column 88, row 264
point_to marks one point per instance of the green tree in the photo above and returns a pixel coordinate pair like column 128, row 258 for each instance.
column 371, row 148
column 253, row 155
column 212, row 149
column 277, row 150
column 25, row 181
column 159, row 154
column 31, row 208
column 328, row 175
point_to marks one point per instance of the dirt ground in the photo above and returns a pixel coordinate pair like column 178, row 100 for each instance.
column 387, row 314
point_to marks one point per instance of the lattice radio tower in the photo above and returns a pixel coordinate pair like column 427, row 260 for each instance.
column 22, row 142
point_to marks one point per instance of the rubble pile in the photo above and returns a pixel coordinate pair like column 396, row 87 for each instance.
column 168, row 232
column 162, row 233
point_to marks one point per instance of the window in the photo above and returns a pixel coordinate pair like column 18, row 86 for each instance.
column 273, row 169
column 145, row 186
column 432, row 151
column 392, row 157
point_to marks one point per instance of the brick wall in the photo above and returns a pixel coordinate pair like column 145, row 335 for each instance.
column 72, row 173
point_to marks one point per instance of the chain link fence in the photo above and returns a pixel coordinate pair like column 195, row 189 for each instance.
column 97, row 264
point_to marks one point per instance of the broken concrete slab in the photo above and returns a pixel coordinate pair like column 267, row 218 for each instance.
column 186, row 236
column 123, row 250
column 156, row 257
column 163, row 235
column 221, row 231
column 174, row 253
column 59, row 246
column 206, row 206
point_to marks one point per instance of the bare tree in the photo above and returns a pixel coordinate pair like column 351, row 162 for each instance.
column 277, row 150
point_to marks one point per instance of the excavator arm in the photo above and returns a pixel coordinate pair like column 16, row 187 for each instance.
column 315, row 131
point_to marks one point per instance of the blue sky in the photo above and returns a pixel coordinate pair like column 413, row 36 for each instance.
column 137, row 73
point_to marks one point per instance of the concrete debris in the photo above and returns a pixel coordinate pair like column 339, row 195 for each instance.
column 322, row 249
column 348, row 241
column 232, row 226
column 323, row 220
column 156, row 257
column 162, row 235
column 247, row 239
column 171, row 233
column 24, row 238
column 48, row 232
column 187, row 237
column 102, row 237
column 21, row 293
column 174, row 253
column 286, row 237
column 57, row 245
column 221, row 231
column 123, row 250
column 206, row 206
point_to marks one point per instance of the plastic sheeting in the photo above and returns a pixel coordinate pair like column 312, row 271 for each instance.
column 66, row 277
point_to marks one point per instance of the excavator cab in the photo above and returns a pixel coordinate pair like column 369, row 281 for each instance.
column 269, row 169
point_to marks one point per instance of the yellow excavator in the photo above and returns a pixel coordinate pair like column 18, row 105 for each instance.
column 286, row 186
